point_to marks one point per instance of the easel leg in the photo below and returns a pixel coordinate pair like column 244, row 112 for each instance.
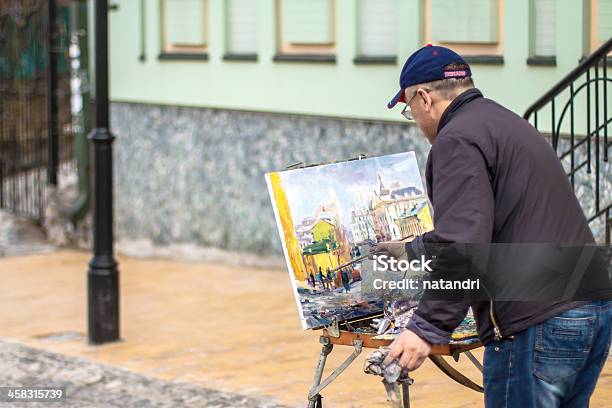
column 406, row 393
column 315, row 401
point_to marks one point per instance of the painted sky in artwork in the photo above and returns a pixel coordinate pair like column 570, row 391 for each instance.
column 308, row 188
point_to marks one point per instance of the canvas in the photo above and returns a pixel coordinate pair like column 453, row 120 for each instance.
column 330, row 215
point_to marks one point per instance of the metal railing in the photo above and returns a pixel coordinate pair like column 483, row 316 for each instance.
column 578, row 132
column 35, row 116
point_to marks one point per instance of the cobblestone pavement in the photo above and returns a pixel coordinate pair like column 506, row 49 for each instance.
column 93, row 385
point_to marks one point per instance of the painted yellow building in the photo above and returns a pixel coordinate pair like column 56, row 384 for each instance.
column 323, row 230
column 324, row 254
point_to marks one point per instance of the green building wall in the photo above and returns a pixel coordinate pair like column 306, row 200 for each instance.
column 340, row 89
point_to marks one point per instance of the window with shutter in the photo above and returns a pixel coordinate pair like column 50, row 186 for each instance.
column 377, row 28
column 473, row 28
column 241, row 27
column 467, row 21
column 184, row 25
column 544, row 23
column 306, row 27
column 307, row 22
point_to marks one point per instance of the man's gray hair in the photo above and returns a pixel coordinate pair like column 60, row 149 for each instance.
column 448, row 88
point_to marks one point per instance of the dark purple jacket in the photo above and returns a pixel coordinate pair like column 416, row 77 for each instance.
column 492, row 178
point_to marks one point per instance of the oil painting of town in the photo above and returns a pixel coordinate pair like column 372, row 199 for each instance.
column 330, row 216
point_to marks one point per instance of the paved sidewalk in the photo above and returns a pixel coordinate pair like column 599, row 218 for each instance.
column 224, row 328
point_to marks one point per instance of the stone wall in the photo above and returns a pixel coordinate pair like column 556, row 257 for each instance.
column 197, row 175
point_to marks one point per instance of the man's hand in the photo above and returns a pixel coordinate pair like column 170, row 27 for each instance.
column 410, row 349
column 394, row 249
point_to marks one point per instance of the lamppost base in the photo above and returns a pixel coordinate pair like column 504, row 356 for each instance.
column 103, row 300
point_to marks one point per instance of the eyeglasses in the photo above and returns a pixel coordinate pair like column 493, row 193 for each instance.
column 407, row 112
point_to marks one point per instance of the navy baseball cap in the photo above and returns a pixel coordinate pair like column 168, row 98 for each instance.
column 426, row 65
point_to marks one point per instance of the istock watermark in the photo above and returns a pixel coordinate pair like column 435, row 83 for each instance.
column 384, row 263
column 423, row 284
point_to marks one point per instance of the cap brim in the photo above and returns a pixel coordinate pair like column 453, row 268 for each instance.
column 399, row 97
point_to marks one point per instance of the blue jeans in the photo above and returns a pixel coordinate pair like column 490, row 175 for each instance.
column 553, row 364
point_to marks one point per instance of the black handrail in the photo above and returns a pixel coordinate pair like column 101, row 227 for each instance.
column 596, row 152
column 564, row 83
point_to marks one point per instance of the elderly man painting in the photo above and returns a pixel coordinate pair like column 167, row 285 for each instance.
column 492, row 178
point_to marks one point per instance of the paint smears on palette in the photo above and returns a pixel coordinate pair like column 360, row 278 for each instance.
column 333, row 214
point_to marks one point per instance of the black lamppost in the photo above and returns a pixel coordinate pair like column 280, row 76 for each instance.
column 102, row 277
column 52, row 108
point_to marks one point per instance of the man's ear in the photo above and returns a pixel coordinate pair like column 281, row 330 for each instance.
column 426, row 99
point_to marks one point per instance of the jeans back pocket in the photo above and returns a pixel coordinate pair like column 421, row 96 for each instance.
column 562, row 346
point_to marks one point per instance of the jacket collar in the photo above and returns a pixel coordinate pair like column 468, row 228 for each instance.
column 457, row 103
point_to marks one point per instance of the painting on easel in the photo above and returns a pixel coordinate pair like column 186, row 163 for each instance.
column 331, row 215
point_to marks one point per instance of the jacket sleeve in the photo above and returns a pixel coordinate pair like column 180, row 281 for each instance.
column 463, row 203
